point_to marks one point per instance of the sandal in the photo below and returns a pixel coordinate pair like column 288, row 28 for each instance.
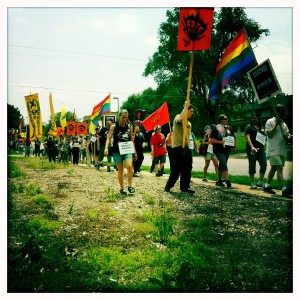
column 123, row 192
column 131, row 190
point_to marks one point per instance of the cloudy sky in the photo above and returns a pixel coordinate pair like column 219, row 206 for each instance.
column 80, row 55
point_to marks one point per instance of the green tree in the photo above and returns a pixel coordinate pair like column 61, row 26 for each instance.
column 47, row 126
column 13, row 117
column 170, row 68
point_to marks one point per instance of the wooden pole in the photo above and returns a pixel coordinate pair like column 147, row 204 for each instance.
column 184, row 121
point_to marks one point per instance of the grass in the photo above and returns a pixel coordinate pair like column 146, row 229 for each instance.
column 231, row 243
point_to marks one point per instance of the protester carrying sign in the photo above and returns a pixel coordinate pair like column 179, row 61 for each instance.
column 223, row 139
column 123, row 149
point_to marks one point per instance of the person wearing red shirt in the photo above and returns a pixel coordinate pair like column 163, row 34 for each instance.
column 158, row 150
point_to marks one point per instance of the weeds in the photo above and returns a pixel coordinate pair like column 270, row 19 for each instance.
column 110, row 194
column 42, row 201
column 164, row 224
column 32, row 189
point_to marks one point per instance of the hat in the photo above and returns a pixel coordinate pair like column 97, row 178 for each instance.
column 157, row 127
column 207, row 127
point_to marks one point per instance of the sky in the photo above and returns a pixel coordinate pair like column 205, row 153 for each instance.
column 80, row 55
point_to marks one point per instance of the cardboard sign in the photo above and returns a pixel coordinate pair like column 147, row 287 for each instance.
column 229, row 141
column 126, row 147
column 260, row 138
column 264, row 82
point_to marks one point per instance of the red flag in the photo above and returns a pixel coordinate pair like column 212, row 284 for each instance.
column 59, row 131
column 159, row 117
column 71, row 128
column 194, row 30
column 81, row 128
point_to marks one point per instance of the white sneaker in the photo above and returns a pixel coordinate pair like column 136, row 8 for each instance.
column 253, row 186
column 260, row 184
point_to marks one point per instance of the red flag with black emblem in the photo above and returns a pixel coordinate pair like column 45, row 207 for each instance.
column 194, row 30
column 159, row 117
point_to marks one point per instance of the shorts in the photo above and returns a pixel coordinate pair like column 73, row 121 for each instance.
column 222, row 158
column 259, row 156
column 161, row 159
column 118, row 158
column 209, row 156
column 277, row 160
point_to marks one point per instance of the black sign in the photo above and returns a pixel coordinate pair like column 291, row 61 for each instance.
column 264, row 81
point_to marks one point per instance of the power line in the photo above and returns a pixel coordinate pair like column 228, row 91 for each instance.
column 77, row 59
column 77, row 52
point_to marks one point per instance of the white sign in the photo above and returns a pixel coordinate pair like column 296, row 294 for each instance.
column 210, row 148
column 260, row 138
column 229, row 141
column 126, row 147
column 93, row 139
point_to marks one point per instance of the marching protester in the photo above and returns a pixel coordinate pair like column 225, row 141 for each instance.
column 96, row 147
column 122, row 149
column 208, row 155
column 278, row 135
column 75, row 150
column 255, row 150
column 223, row 139
column 139, row 142
column 103, row 137
column 182, row 156
column 158, row 150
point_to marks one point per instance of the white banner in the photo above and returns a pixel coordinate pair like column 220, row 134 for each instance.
column 229, row 141
column 260, row 138
column 126, row 147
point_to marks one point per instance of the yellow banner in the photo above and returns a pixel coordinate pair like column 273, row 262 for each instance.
column 34, row 116
column 53, row 129
column 63, row 117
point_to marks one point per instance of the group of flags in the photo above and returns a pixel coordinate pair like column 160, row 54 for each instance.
column 70, row 128
column 195, row 25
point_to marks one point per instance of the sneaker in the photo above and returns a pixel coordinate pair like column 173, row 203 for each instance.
column 268, row 190
column 131, row 190
column 253, row 186
column 260, row 184
column 228, row 183
column 101, row 165
column 123, row 192
column 135, row 175
column 220, row 183
column 158, row 174
column 204, row 180
column 108, row 169
column 188, row 191
column 287, row 192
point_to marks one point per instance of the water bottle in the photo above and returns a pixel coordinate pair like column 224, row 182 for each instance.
column 254, row 151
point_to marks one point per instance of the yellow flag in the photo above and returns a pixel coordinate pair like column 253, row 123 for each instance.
column 63, row 117
column 92, row 127
column 53, row 129
column 34, row 116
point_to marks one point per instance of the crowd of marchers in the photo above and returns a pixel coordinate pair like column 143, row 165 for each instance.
column 121, row 145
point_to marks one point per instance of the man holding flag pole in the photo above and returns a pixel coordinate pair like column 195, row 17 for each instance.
column 195, row 25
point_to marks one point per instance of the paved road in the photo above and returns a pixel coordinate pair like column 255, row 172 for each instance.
column 237, row 165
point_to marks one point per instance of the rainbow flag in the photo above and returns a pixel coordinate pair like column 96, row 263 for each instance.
column 100, row 109
column 237, row 60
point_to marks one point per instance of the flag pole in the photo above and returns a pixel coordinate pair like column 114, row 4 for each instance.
column 184, row 121
column 250, row 47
